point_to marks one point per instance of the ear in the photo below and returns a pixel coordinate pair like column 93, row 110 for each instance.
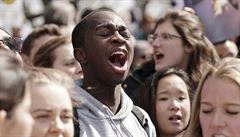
column 188, row 48
column 26, row 59
column 3, row 115
column 80, row 55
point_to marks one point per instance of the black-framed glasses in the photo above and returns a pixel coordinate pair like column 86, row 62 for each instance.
column 162, row 37
column 14, row 43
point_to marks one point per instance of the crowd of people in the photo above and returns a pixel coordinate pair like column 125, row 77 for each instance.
column 97, row 78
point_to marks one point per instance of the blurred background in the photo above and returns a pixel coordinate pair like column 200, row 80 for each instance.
column 221, row 18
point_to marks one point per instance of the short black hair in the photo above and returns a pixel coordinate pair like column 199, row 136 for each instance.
column 79, row 32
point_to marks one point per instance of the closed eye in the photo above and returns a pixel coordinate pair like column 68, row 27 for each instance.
column 43, row 116
column 232, row 112
column 104, row 32
column 206, row 111
column 70, row 63
column 66, row 117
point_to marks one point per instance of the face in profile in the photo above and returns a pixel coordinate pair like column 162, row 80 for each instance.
column 220, row 108
column 168, row 48
column 52, row 111
column 20, row 122
column 65, row 61
column 109, row 47
column 172, row 105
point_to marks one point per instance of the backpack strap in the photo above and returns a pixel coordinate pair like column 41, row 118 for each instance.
column 76, row 123
column 141, row 118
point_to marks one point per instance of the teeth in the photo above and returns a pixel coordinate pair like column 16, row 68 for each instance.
column 118, row 52
column 158, row 55
column 175, row 118
column 118, row 58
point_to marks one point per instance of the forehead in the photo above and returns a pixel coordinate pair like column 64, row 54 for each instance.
column 105, row 17
column 172, row 82
column 164, row 27
column 50, row 93
column 64, row 51
column 221, row 90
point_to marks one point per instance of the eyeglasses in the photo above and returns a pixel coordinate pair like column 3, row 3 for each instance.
column 15, row 44
column 162, row 37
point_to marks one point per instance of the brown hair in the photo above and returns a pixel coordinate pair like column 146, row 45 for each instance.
column 188, row 25
column 50, row 29
column 13, row 79
column 45, row 56
column 38, row 75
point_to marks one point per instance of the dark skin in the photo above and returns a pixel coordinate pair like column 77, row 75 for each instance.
column 107, row 35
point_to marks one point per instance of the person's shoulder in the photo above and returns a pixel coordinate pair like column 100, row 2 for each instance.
column 144, row 120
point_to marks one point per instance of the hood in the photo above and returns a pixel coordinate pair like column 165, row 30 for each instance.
column 92, row 108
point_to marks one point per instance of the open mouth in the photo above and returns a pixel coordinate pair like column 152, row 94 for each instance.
column 118, row 60
column 158, row 55
column 175, row 118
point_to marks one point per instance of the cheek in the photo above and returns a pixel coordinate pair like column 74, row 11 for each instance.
column 186, row 110
column 69, row 130
column 187, row 107
column 69, row 70
column 177, row 53
column 21, row 126
column 234, row 124
column 130, row 54
column 204, row 121
column 161, row 109
column 40, row 129
column 65, row 69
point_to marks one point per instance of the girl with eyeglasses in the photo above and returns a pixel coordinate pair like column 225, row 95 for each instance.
column 178, row 40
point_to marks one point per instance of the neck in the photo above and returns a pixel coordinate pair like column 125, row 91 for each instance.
column 172, row 135
column 109, row 96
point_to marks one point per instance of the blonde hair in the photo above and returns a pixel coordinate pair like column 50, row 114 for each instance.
column 40, row 76
column 227, row 69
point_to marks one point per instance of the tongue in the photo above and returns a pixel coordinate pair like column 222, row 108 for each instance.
column 117, row 60
column 117, row 64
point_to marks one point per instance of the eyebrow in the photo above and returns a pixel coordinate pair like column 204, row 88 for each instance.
column 69, row 59
column 49, row 110
column 41, row 109
column 108, row 24
column 167, row 92
column 226, row 104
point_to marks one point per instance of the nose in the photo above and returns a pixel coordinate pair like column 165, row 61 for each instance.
column 174, row 105
column 116, row 37
column 155, row 43
column 57, row 126
column 79, row 71
column 217, row 119
column 78, row 67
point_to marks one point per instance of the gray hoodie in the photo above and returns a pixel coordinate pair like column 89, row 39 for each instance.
column 96, row 119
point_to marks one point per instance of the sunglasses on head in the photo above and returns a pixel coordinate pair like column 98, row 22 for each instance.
column 15, row 44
